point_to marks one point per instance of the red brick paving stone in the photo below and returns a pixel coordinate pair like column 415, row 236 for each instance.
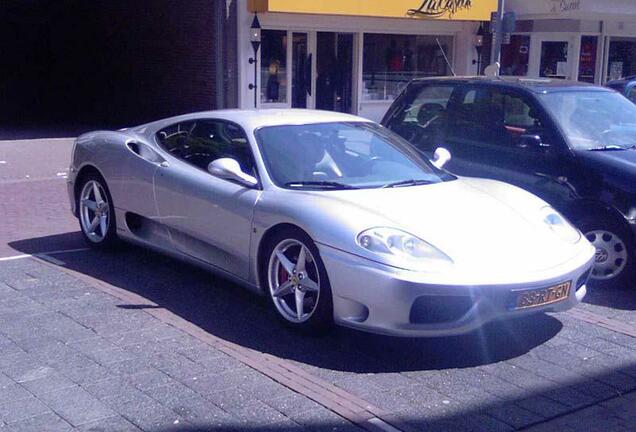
column 600, row 320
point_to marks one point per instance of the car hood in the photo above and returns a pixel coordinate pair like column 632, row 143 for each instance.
column 611, row 159
column 480, row 224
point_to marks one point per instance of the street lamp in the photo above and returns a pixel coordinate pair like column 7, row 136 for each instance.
column 479, row 45
column 255, row 39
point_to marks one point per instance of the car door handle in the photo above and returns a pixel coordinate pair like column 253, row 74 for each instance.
column 145, row 152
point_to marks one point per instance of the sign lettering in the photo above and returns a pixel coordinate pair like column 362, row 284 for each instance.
column 439, row 8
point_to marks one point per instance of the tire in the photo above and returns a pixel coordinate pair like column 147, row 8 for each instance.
column 307, row 285
column 95, row 204
column 615, row 252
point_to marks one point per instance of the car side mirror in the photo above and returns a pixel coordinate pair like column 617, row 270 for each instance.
column 229, row 169
column 532, row 141
column 441, row 157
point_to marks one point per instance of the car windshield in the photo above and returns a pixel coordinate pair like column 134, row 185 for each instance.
column 594, row 120
column 343, row 155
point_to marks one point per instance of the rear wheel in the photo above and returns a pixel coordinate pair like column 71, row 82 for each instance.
column 96, row 212
column 614, row 259
column 296, row 281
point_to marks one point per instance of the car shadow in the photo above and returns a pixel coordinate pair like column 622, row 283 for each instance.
column 234, row 314
column 623, row 298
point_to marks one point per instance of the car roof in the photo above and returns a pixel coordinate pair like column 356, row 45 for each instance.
column 622, row 81
column 251, row 119
column 535, row 85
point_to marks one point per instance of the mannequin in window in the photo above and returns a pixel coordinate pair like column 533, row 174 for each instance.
column 273, row 84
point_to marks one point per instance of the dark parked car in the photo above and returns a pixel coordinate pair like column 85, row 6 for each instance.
column 625, row 86
column 572, row 144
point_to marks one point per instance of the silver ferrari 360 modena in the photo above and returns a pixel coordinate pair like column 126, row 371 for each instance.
column 333, row 217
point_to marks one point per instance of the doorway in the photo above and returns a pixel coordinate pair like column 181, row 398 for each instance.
column 552, row 56
column 334, row 71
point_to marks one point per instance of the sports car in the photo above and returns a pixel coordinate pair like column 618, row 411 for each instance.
column 333, row 217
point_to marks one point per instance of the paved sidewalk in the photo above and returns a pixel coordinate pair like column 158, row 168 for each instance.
column 72, row 357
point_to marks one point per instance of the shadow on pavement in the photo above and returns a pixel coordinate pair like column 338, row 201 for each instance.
column 616, row 298
column 234, row 314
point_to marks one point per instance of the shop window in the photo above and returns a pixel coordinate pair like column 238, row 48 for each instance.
column 554, row 59
column 273, row 66
column 622, row 58
column 515, row 56
column 391, row 61
column 587, row 59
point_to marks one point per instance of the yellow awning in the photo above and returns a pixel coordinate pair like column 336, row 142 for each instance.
column 470, row 10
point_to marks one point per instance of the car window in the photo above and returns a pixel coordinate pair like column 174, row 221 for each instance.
column 422, row 120
column 357, row 154
column 632, row 94
column 495, row 117
column 199, row 142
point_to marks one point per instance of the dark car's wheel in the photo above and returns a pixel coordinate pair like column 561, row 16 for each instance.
column 296, row 281
column 96, row 212
column 614, row 261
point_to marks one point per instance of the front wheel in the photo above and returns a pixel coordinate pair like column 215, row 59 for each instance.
column 297, row 282
column 96, row 213
column 614, row 259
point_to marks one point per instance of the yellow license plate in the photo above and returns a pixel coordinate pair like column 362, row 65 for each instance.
column 542, row 296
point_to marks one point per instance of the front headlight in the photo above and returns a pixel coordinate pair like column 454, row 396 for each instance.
column 559, row 225
column 402, row 249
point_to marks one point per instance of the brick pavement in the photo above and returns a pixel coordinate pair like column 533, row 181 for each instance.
column 73, row 357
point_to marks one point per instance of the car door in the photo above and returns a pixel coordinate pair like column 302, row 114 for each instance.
column 504, row 134
column 208, row 218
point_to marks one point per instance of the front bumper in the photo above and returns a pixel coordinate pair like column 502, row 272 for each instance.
column 373, row 297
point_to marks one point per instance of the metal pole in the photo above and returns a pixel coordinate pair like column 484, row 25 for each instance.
column 255, row 80
column 496, row 46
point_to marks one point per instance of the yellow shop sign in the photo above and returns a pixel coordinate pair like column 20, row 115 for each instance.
column 470, row 10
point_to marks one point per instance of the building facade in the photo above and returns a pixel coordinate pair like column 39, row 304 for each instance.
column 352, row 55
column 585, row 40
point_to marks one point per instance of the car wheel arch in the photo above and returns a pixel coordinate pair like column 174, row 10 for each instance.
column 263, row 244
column 82, row 173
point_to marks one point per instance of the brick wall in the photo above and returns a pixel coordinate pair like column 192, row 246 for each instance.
column 110, row 62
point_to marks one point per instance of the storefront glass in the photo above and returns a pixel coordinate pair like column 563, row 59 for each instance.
column 587, row 59
column 554, row 59
column 515, row 56
column 273, row 66
column 622, row 58
column 390, row 61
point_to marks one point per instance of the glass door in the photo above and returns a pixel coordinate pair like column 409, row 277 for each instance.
column 301, row 71
column 552, row 56
column 334, row 71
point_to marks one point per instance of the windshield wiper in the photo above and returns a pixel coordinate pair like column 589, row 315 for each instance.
column 608, row 147
column 410, row 182
column 321, row 183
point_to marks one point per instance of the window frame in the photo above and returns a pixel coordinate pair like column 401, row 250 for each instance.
column 218, row 120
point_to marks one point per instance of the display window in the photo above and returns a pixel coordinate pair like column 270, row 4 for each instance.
column 390, row 61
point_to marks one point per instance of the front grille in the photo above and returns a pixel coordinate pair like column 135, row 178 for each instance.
column 439, row 309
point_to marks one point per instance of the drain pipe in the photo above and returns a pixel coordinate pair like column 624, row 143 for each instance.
column 219, row 61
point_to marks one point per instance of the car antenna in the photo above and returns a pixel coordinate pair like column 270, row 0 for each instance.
column 445, row 58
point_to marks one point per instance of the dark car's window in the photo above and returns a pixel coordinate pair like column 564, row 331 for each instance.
column 199, row 142
column 422, row 118
column 358, row 154
column 496, row 117
column 592, row 119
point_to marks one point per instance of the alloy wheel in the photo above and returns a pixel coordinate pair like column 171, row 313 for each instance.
column 94, row 211
column 611, row 254
column 294, row 281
